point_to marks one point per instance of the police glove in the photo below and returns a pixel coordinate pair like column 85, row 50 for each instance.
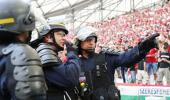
column 70, row 46
column 149, row 43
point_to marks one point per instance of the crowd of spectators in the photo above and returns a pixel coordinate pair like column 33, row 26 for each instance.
column 127, row 30
column 124, row 31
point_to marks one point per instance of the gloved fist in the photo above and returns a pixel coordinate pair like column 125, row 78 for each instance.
column 70, row 46
column 149, row 43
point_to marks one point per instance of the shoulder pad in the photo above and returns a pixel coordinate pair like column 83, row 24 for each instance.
column 22, row 54
column 47, row 54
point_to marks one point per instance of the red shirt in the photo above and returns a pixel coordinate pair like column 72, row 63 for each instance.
column 151, row 56
column 169, row 48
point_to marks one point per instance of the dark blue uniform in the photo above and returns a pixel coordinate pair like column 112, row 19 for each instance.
column 3, row 78
column 65, row 75
column 100, row 80
column 115, row 60
column 60, row 77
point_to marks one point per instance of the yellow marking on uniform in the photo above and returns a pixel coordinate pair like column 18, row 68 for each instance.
column 7, row 21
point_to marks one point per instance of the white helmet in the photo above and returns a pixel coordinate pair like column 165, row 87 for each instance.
column 86, row 32
column 83, row 34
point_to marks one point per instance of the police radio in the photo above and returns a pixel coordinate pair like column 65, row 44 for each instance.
column 83, row 83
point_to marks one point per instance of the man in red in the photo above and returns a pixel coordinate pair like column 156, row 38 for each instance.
column 169, row 48
column 152, row 63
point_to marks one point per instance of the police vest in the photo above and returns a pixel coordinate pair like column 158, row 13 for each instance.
column 96, row 84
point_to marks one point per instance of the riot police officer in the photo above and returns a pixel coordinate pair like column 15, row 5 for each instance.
column 96, row 77
column 21, row 75
column 61, row 77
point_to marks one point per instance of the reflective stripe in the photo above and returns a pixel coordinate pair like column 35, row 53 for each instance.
column 7, row 21
column 67, row 95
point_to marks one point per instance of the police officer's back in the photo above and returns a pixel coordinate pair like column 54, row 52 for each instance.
column 21, row 76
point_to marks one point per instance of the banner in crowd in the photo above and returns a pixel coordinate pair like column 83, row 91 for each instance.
column 135, row 92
